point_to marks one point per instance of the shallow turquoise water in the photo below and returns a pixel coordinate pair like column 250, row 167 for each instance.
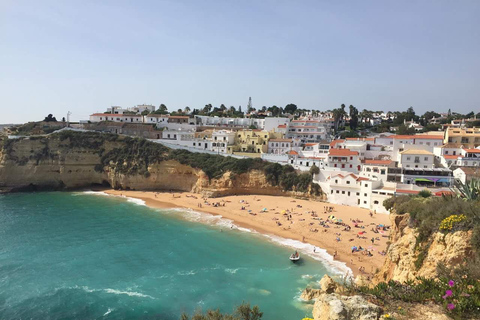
column 84, row 256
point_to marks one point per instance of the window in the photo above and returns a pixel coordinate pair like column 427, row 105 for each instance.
column 375, row 202
column 348, row 182
column 426, row 159
column 446, row 151
column 358, row 193
column 424, row 166
column 417, row 159
column 349, row 193
column 343, row 165
column 336, row 181
column 382, row 171
column 408, row 158
column 366, row 184
column 351, row 158
column 343, row 192
column 364, row 202
column 350, row 166
column 364, row 194
column 338, row 191
column 331, row 192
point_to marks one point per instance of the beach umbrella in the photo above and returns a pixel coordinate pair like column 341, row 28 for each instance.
column 354, row 248
column 331, row 217
column 339, row 220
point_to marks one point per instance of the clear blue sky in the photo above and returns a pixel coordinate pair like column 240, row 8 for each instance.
column 86, row 55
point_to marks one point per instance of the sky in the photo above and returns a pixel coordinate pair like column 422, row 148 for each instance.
column 84, row 56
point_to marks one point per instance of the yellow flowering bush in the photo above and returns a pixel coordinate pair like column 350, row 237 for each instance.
column 448, row 223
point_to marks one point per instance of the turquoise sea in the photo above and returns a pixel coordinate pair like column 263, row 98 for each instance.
column 82, row 255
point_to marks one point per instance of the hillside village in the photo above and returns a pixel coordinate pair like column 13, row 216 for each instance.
column 363, row 158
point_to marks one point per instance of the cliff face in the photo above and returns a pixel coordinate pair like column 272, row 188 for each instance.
column 450, row 249
column 53, row 163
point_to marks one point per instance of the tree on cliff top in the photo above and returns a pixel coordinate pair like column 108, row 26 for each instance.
column 50, row 118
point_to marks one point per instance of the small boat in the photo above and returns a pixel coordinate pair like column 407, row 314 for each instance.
column 294, row 257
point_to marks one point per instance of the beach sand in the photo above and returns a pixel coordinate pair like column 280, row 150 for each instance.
column 299, row 227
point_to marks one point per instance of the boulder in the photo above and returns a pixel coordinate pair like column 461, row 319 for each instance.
column 336, row 307
column 327, row 284
column 310, row 294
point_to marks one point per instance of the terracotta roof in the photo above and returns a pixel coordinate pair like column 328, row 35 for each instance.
column 334, row 142
column 292, row 152
column 179, row 117
column 412, row 151
column 377, row 162
column 407, row 191
column 314, row 144
column 362, row 179
column 282, row 125
column 342, row 176
column 472, row 150
column 449, row 156
column 342, row 152
column 428, row 136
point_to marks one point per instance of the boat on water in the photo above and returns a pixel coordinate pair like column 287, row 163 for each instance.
column 294, row 257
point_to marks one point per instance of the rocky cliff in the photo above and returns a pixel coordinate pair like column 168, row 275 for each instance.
column 405, row 261
column 72, row 161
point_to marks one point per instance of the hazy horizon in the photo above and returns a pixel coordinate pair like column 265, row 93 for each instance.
column 379, row 55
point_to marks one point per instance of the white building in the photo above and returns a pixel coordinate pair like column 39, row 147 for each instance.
column 416, row 159
column 344, row 159
column 279, row 146
column 131, row 118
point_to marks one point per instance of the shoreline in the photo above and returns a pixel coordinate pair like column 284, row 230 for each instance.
column 299, row 227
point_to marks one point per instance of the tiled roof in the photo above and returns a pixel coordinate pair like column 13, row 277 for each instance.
column 449, row 156
column 412, row 151
column 311, row 144
column 407, row 191
column 472, row 150
column 342, row 152
column 282, row 125
column 292, row 152
column 359, row 139
column 334, row 142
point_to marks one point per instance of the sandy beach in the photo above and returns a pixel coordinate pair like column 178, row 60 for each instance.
column 291, row 218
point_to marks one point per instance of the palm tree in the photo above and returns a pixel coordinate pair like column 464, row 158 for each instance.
column 187, row 110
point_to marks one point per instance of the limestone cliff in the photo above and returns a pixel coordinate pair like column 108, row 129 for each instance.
column 402, row 259
column 70, row 161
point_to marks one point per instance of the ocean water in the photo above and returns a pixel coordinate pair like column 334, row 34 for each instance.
column 87, row 256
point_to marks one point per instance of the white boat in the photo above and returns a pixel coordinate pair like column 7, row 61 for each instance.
column 294, row 257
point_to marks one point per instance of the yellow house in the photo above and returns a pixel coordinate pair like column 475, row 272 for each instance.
column 253, row 140
column 468, row 137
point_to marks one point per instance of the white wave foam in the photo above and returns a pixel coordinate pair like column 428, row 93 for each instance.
column 108, row 290
column 232, row 271
column 335, row 267
column 108, row 311
column 136, row 201
column 129, row 199
column 128, row 293
column 187, row 273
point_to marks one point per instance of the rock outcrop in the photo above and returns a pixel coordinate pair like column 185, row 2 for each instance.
column 449, row 249
column 327, row 285
column 337, row 307
column 59, row 163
